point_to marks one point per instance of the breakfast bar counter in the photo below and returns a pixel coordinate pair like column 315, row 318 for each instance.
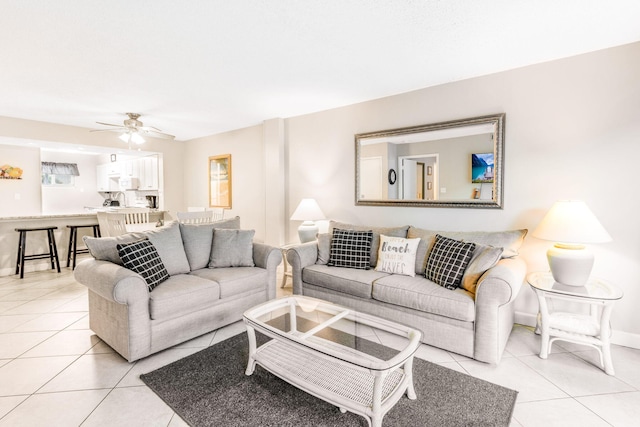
column 37, row 243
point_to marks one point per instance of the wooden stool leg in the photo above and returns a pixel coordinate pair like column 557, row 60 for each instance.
column 53, row 250
column 20, row 259
column 75, row 248
column 72, row 232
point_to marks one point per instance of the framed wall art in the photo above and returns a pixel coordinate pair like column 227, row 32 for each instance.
column 220, row 181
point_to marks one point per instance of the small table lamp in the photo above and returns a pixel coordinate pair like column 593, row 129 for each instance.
column 572, row 224
column 307, row 211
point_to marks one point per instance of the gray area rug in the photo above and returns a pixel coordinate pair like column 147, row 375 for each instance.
column 209, row 388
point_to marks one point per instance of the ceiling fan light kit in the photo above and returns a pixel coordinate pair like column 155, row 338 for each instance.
column 132, row 130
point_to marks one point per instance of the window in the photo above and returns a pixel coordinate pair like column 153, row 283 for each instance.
column 58, row 180
column 59, row 174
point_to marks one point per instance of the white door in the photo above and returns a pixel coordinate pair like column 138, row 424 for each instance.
column 371, row 178
column 409, row 179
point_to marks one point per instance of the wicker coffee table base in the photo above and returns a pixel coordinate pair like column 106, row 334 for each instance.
column 366, row 392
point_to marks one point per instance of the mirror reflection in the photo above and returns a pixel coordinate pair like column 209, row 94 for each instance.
column 449, row 164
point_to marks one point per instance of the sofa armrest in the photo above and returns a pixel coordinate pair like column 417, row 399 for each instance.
column 496, row 291
column 112, row 282
column 299, row 257
column 269, row 258
column 501, row 284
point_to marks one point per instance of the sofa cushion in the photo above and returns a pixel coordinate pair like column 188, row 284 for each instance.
column 483, row 258
column 142, row 257
column 421, row 294
column 397, row 255
column 105, row 248
column 166, row 239
column 510, row 241
column 235, row 280
column 232, row 248
column 324, row 248
column 377, row 231
column 197, row 240
column 448, row 261
column 346, row 280
column 182, row 294
column 168, row 242
column 350, row 248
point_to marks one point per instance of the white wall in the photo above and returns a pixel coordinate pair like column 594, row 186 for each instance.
column 248, row 174
column 572, row 131
column 20, row 196
column 70, row 200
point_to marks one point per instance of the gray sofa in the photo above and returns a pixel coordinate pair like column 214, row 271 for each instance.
column 475, row 322
column 194, row 300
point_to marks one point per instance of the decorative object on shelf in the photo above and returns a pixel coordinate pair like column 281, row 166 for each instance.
column 132, row 130
column 571, row 224
column 392, row 176
column 308, row 211
column 220, row 181
column 10, row 172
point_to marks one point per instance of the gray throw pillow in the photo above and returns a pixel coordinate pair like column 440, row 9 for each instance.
column 198, row 238
column 324, row 248
column 232, row 248
column 166, row 240
column 483, row 258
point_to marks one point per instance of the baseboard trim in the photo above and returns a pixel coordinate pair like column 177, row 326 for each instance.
column 625, row 339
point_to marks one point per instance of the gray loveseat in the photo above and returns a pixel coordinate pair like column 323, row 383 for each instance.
column 194, row 300
column 475, row 322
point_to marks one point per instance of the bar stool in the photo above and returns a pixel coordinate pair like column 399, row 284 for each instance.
column 22, row 246
column 73, row 250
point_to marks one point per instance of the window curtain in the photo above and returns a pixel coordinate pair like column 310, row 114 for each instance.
column 52, row 168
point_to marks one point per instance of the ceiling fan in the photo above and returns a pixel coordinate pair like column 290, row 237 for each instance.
column 133, row 129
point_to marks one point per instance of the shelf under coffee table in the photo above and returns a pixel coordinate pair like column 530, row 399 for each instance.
column 322, row 349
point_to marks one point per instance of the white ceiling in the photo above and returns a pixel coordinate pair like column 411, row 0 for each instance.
column 199, row 67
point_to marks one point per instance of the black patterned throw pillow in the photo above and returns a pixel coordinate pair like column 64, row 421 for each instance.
column 350, row 248
column 142, row 257
column 448, row 260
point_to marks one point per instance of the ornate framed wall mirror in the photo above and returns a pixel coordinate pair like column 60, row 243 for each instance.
column 455, row 164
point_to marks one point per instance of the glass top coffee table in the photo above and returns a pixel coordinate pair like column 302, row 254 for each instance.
column 322, row 348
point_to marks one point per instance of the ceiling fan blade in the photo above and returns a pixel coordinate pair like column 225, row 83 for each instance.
column 156, row 134
column 149, row 129
column 109, row 124
column 106, row 130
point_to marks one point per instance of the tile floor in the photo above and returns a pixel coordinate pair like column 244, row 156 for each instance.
column 55, row 372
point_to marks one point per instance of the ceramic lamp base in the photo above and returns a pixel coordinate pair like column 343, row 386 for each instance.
column 570, row 264
column 307, row 232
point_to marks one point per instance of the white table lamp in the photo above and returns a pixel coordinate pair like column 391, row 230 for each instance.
column 571, row 224
column 307, row 211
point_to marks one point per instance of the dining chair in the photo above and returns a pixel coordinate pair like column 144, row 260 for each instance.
column 202, row 217
column 115, row 223
column 136, row 215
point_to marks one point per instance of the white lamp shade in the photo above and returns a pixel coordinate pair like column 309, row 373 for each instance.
column 571, row 221
column 307, row 210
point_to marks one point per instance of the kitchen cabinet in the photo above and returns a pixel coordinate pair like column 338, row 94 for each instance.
column 105, row 181
column 148, row 173
column 130, row 169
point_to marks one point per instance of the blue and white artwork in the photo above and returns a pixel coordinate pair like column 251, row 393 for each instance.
column 482, row 168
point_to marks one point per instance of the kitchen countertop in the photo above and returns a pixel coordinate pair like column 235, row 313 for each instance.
column 88, row 214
